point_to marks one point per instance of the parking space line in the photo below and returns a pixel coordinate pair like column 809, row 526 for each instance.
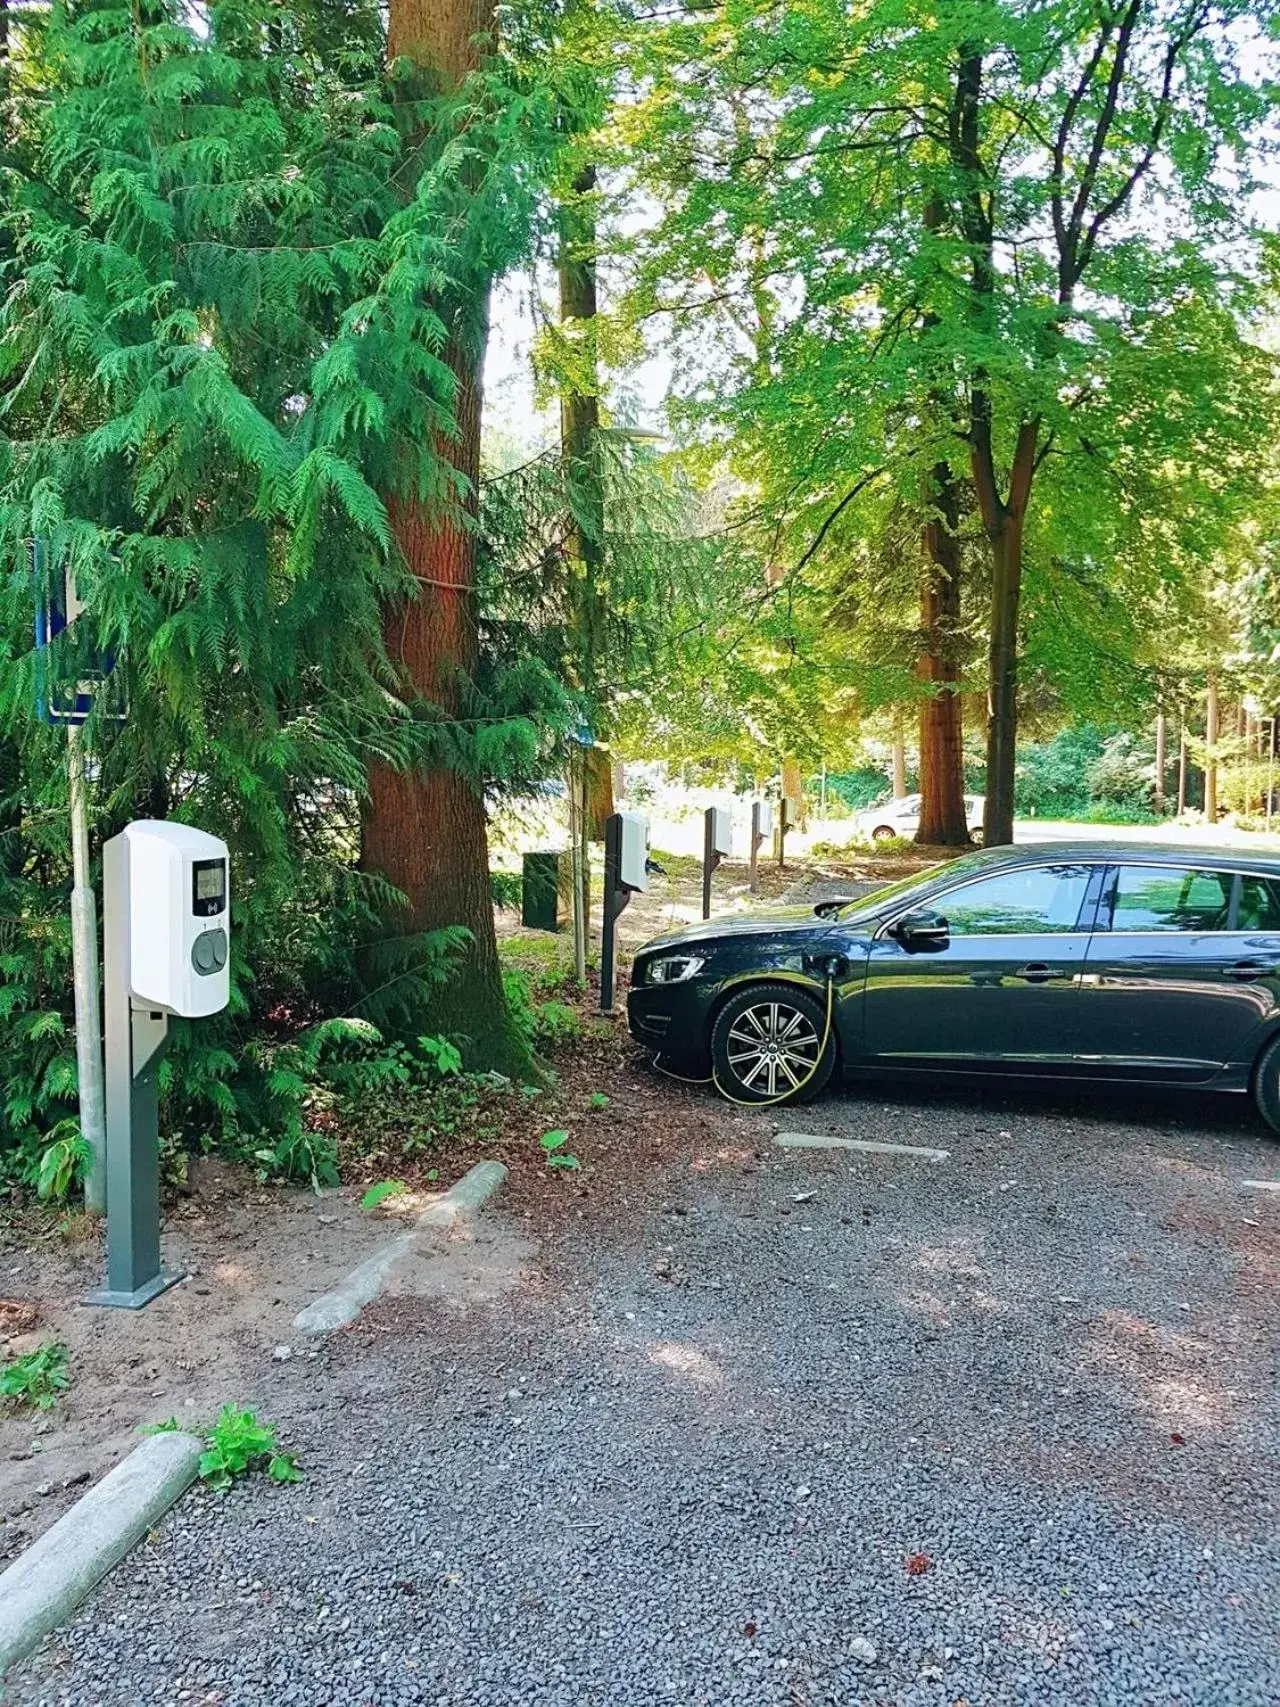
column 811, row 1141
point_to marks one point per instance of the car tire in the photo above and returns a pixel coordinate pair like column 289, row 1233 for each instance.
column 1266, row 1084
column 795, row 1043
column 883, row 833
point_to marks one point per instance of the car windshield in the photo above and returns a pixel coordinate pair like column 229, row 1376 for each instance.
column 868, row 906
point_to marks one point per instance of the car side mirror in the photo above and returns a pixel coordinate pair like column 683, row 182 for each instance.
column 921, row 933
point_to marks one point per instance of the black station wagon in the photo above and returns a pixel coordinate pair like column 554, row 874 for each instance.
column 1089, row 961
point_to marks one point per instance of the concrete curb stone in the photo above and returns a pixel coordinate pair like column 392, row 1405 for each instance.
column 334, row 1309
column 46, row 1583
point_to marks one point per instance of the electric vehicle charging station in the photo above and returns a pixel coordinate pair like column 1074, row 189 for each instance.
column 626, row 873
column 788, row 818
column 717, row 844
column 761, row 830
column 166, row 918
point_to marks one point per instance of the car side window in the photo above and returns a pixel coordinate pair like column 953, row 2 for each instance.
column 1171, row 898
column 1259, row 903
column 1039, row 900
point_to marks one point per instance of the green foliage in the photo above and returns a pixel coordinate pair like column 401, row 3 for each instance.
column 555, row 1154
column 237, row 1444
column 1087, row 774
column 507, row 889
column 597, row 1099
column 232, row 240
column 857, row 788
column 38, row 1377
column 65, row 1160
column 897, row 240
column 442, row 1055
column 378, row 1194
column 555, row 1023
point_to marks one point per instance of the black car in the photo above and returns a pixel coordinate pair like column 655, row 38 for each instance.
column 1088, row 961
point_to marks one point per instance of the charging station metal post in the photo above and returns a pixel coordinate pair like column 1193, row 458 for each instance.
column 788, row 814
column 166, row 920
column 626, row 856
column 761, row 830
column 717, row 844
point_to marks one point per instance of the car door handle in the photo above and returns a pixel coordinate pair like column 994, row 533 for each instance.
column 1246, row 970
column 1038, row 973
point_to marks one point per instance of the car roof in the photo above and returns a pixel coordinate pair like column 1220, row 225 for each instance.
column 1113, row 852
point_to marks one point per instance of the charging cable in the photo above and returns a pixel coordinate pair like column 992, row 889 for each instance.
column 713, row 1077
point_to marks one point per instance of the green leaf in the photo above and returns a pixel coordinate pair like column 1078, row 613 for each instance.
column 553, row 1140
column 379, row 1193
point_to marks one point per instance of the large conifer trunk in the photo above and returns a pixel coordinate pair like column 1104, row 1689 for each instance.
column 426, row 831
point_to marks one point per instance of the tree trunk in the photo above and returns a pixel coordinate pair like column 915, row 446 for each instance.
column 580, row 452
column 426, row 831
column 899, row 759
column 1160, row 760
column 1182, row 763
column 943, row 821
column 1002, row 724
column 1210, row 752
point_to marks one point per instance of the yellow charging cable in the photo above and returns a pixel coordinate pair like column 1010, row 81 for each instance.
column 764, row 1102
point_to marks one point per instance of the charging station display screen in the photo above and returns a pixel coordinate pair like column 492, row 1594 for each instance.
column 208, row 887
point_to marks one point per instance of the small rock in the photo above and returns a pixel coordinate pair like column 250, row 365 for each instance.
column 44, row 1489
column 864, row 1651
column 282, row 1353
column 76, row 1481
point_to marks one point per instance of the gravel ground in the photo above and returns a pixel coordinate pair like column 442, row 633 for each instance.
column 804, row 1429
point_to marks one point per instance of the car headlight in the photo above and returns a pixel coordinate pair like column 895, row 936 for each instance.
column 674, row 969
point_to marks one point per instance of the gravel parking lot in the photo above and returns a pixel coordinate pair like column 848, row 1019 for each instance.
column 797, row 1428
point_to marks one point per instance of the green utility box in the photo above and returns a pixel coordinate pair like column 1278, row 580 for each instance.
column 545, row 890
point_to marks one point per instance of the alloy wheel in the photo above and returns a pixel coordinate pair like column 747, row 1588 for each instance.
column 772, row 1048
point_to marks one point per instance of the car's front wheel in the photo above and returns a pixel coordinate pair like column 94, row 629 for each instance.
column 772, row 1043
column 1266, row 1084
column 883, row 833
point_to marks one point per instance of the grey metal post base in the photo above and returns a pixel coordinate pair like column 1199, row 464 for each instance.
column 134, row 1300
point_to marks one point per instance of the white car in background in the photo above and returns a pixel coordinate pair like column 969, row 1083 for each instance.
column 902, row 817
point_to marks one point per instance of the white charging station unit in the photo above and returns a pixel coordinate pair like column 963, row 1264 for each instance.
column 633, row 852
column 626, row 873
column 717, row 844
column 761, row 830
column 166, row 921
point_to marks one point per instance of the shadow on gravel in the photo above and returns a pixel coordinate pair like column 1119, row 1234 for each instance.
column 1138, row 1106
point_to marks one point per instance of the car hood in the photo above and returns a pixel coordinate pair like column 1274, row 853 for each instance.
column 780, row 920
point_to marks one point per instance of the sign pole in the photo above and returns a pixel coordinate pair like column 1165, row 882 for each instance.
column 84, row 966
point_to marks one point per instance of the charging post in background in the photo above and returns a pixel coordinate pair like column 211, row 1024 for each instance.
column 626, row 859
column 717, row 844
column 761, row 830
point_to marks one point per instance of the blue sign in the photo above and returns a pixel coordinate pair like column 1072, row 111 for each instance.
column 57, row 609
